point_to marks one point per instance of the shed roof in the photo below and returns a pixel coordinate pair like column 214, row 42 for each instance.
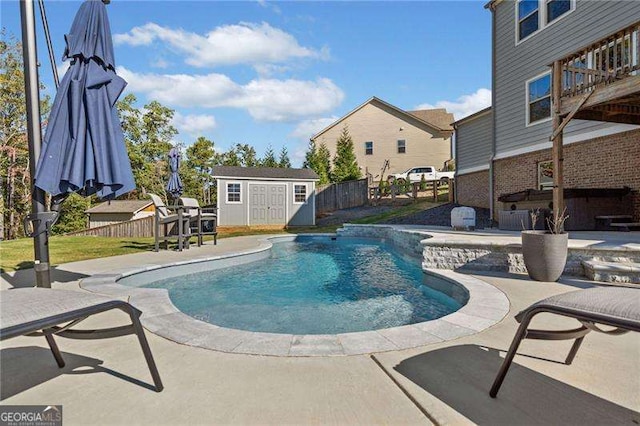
column 120, row 206
column 264, row 173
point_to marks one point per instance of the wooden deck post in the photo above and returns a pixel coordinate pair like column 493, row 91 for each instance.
column 557, row 151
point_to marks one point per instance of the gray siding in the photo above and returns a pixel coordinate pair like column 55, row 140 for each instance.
column 232, row 214
column 515, row 64
column 473, row 142
column 238, row 214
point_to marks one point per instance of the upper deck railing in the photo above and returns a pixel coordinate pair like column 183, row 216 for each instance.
column 610, row 59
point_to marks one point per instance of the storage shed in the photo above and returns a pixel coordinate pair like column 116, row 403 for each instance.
column 265, row 196
column 115, row 211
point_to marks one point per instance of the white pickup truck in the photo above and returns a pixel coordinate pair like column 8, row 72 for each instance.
column 415, row 174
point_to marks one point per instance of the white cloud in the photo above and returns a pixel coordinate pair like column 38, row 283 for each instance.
column 264, row 99
column 194, row 124
column 465, row 105
column 244, row 43
column 307, row 128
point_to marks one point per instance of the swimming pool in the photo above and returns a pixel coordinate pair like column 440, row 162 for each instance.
column 316, row 285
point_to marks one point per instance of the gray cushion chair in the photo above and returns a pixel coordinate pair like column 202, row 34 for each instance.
column 199, row 216
column 616, row 307
column 47, row 312
column 165, row 217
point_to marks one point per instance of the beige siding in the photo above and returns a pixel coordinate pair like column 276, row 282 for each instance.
column 382, row 125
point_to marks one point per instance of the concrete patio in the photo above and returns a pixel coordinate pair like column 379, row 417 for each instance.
column 105, row 382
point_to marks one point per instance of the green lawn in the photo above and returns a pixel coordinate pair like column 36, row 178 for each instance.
column 14, row 253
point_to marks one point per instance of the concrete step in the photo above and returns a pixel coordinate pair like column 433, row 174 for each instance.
column 612, row 272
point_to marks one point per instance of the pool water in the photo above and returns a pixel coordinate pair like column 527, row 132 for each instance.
column 316, row 286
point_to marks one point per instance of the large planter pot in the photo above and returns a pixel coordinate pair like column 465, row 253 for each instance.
column 545, row 254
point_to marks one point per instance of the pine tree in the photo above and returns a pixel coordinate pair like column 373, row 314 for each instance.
column 318, row 160
column 284, row 158
column 324, row 164
column 269, row 159
column 345, row 165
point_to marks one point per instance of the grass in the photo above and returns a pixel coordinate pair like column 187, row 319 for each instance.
column 65, row 249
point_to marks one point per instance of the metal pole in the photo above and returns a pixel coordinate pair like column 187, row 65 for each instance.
column 47, row 37
column 34, row 136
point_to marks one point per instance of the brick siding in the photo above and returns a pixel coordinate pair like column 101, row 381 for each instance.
column 473, row 189
column 605, row 162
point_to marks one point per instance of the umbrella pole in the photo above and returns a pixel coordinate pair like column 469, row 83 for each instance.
column 34, row 136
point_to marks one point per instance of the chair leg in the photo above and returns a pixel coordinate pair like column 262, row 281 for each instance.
column 146, row 350
column 157, row 232
column 574, row 350
column 54, row 349
column 520, row 334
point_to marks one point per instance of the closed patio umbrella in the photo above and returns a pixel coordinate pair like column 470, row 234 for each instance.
column 174, row 186
column 83, row 149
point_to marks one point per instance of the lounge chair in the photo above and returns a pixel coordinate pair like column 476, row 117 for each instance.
column 165, row 218
column 46, row 312
column 612, row 306
column 198, row 216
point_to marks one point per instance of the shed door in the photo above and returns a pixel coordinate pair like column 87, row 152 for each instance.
column 267, row 204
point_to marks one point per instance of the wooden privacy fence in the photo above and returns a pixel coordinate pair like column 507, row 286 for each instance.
column 142, row 227
column 342, row 195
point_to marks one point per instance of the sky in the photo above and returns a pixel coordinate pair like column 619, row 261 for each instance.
column 275, row 73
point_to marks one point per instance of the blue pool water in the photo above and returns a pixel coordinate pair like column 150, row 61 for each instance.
column 317, row 286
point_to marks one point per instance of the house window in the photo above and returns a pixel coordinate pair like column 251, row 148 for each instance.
column 545, row 174
column 534, row 15
column 528, row 20
column 299, row 194
column 557, row 8
column 368, row 148
column 234, row 193
column 402, row 146
column 539, row 99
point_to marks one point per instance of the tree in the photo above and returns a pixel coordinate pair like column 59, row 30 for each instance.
column 324, row 164
column 318, row 160
column 15, row 180
column 247, row 155
column 148, row 136
column 269, row 159
column 72, row 216
column 284, row 161
column 345, row 165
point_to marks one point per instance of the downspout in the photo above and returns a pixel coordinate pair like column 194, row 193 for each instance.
column 493, row 113
column 454, row 139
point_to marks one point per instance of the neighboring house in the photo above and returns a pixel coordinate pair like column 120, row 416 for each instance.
column 381, row 132
column 474, row 138
column 115, row 211
column 265, row 196
column 595, row 48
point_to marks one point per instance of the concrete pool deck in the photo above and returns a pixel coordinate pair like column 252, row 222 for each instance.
column 448, row 380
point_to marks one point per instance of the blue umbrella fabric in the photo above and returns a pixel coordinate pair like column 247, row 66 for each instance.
column 83, row 148
column 174, row 186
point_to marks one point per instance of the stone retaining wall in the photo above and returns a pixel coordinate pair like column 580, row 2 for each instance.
column 475, row 256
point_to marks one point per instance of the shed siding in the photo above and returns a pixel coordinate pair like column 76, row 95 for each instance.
column 473, row 141
column 238, row 214
column 232, row 214
column 102, row 219
column 382, row 125
column 515, row 64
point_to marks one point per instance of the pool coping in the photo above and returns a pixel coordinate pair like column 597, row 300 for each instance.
column 486, row 306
